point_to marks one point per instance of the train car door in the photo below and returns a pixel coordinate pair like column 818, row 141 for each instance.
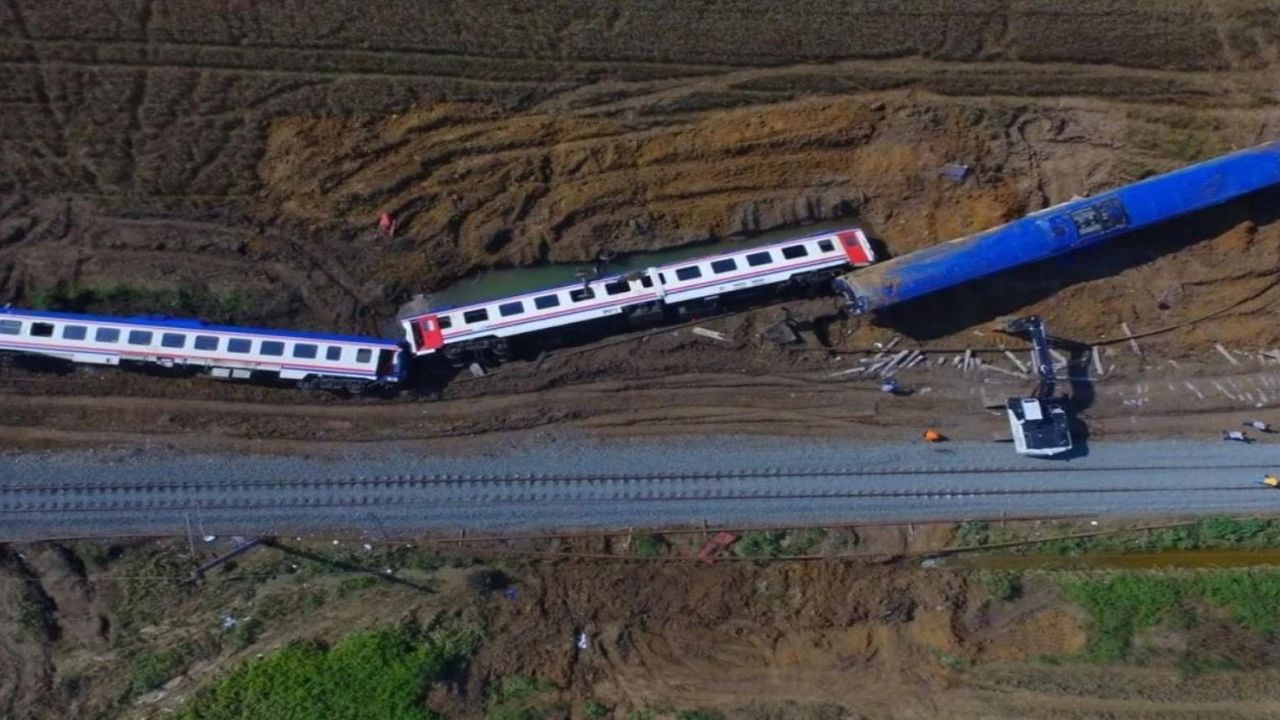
column 430, row 332
column 856, row 247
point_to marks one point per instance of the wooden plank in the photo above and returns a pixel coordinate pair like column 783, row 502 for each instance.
column 1132, row 343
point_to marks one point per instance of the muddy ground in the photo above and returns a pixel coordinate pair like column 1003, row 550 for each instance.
column 230, row 161
column 117, row 631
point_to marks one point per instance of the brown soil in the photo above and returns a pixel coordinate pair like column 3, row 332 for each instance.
column 245, row 153
column 246, row 158
column 816, row 639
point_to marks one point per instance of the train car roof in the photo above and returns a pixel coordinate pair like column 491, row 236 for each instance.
column 164, row 321
column 449, row 304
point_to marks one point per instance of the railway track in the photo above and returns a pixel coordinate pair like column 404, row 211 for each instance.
column 450, row 489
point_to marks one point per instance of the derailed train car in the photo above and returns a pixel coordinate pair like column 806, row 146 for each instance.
column 1062, row 229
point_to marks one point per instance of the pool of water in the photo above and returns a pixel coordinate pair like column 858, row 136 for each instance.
column 513, row 281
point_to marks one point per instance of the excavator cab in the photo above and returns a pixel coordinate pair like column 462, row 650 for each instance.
column 1039, row 424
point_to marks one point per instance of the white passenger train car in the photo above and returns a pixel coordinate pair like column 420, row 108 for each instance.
column 816, row 257
column 311, row 359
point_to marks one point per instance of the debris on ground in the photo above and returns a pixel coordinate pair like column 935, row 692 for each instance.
column 1124, row 326
column 387, row 224
column 716, row 545
column 710, row 334
column 781, row 333
column 1226, row 353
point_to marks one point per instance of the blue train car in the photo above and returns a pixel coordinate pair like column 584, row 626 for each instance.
column 1062, row 228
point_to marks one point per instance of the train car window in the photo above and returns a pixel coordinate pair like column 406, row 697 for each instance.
column 1102, row 216
column 689, row 273
column 41, row 329
column 826, row 246
column 617, row 287
column 791, row 252
column 511, row 308
column 274, row 348
column 720, row 267
column 646, row 281
column 546, row 301
column 173, row 340
column 239, row 345
column 74, row 332
column 333, row 353
column 475, row 316
column 363, row 355
column 10, row 327
column 106, row 335
column 581, row 294
column 445, row 321
column 305, row 350
column 760, row 258
column 140, row 337
column 206, row 342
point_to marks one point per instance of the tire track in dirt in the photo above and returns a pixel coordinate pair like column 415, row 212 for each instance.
column 268, row 71
column 415, row 54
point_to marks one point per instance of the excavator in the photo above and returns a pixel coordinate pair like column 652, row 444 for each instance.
column 1039, row 424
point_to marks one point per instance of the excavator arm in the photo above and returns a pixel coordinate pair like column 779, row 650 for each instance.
column 1033, row 327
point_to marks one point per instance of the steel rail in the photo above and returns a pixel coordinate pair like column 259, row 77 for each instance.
column 453, row 479
column 524, row 496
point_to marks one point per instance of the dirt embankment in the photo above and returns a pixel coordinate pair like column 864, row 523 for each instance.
column 248, row 154
column 185, row 157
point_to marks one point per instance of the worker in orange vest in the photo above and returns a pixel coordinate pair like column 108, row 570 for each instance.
column 931, row 435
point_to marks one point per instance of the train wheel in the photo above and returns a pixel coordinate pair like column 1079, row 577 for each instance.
column 501, row 351
column 455, row 356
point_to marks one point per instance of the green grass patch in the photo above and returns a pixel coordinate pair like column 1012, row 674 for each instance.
column 645, row 545
column 151, row 670
column 379, row 673
column 1121, row 604
column 520, row 697
column 1205, row 534
column 220, row 307
column 353, row 585
column 595, row 709
column 759, row 544
column 1214, row 533
column 246, row 632
column 699, row 714
column 1004, row 585
column 976, row 533
column 803, row 542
